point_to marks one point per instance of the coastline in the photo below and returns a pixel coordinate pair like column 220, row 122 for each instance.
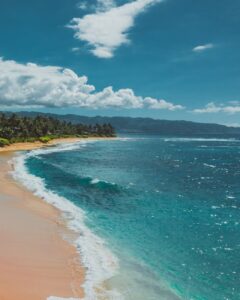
column 35, row 145
column 33, row 251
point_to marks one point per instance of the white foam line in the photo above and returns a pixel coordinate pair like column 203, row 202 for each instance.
column 58, row 148
column 199, row 140
column 99, row 261
column 208, row 165
column 62, row 147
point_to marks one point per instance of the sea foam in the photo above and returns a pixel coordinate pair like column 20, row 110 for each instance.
column 100, row 263
column 179, row 139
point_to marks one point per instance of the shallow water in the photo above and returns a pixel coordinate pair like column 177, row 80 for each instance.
column 159, row 216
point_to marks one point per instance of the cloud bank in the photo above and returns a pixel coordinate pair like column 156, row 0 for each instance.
column 231, row 108
column 32, row 85
column 107, row 29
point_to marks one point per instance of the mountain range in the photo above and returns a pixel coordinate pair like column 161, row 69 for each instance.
column 148, row 125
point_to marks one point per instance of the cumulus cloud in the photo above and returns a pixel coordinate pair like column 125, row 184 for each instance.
column 202, row 48
column 107, row 28
column 161, row 104
column 213, row 108
column 32, row 85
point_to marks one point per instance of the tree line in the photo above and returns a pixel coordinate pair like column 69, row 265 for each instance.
column 15, row 128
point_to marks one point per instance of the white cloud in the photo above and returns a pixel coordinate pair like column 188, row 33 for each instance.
column 124, row 98
column 75, row 49
column 161, row 104
column 83, row 5
column 102, row 52
column 202, row 48
column 100, row 6
column 213, row 108
column 107, row 28
column 32, row 85
column 209, row 108
column 105, row 5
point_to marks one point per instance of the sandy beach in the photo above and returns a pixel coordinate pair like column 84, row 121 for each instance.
column 35, row 261
column 36, row 145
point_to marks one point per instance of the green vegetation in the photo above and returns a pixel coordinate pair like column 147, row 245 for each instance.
column 45, row 139
column 4, row 142
column 15, row 128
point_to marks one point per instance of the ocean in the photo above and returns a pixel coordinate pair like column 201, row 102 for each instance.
column 157, row 218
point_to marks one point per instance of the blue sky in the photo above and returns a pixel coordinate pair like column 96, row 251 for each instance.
column 166, row 59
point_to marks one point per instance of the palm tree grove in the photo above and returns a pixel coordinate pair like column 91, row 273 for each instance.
column 15, row 128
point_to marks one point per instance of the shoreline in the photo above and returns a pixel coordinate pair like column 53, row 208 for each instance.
column 36, row 262
column 25, row 146
column 34, row 252
column 35, row 233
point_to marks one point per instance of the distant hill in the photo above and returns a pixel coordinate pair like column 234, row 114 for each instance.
column 149, row 126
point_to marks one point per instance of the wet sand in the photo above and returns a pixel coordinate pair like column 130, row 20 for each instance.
column 35, row 261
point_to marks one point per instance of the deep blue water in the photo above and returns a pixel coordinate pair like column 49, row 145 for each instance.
column 167, row 207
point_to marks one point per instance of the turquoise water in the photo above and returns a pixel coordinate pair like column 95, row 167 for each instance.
column 167, row 208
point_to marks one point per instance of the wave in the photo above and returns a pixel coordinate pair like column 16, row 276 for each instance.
column 100, row 263
column 94, row 181
column 208, row 165
column 200, row 140
column 87, row 182
column 100, row 184
column 62, row 147
column 59, row 148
